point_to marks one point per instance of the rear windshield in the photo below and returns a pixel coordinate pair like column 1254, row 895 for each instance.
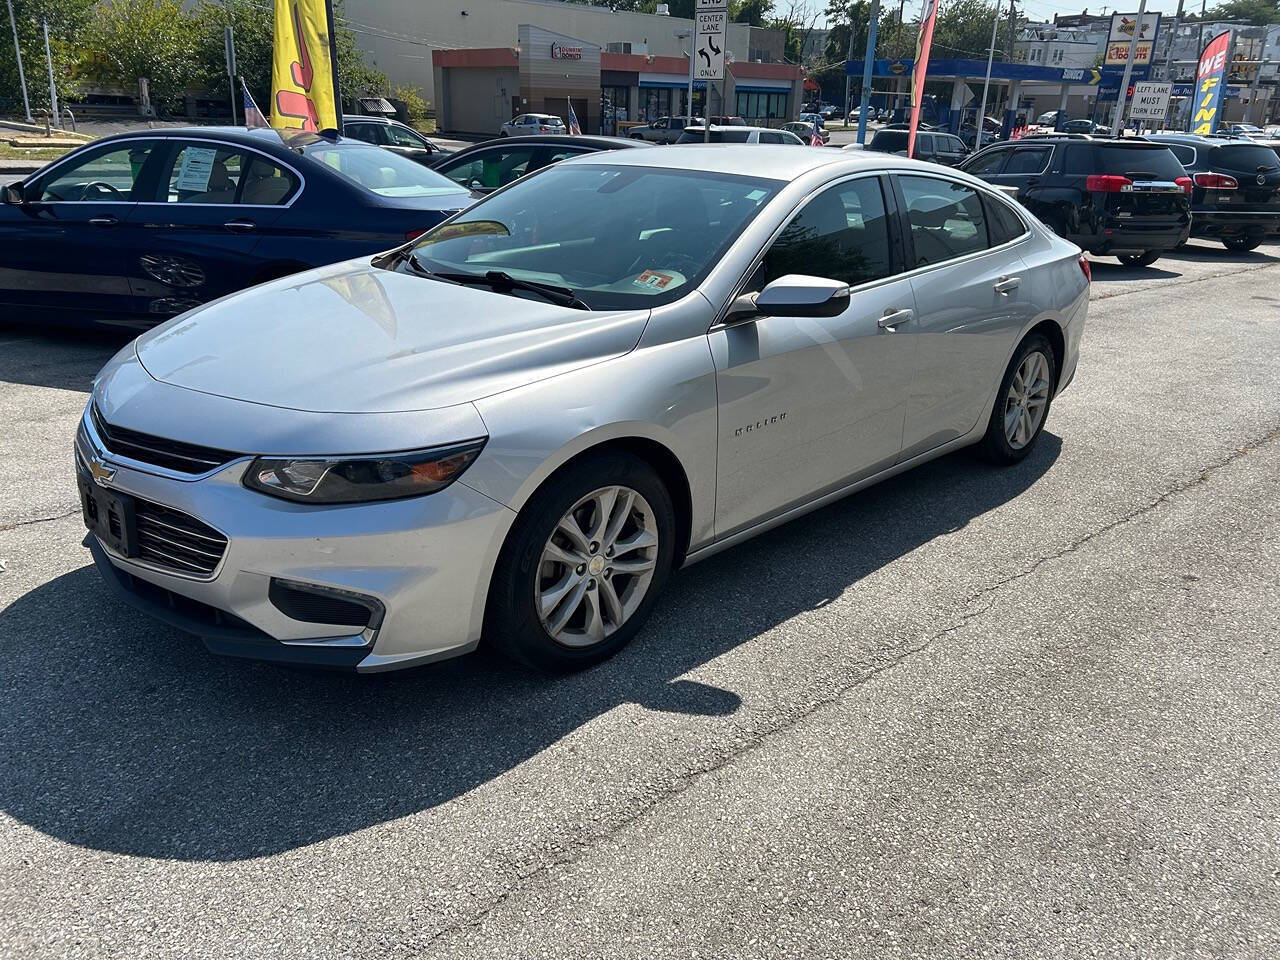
column 380, row 171
column 1249, row 157
column 887, row 141
column 1132, row 161
column 717, row 136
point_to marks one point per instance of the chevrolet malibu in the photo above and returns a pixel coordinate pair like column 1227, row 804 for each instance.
column 514, row 428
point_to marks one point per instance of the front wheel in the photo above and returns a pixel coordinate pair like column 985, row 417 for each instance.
column 1241, row 244
column 1139, row 259
column 1022, row 403
column 583, row 566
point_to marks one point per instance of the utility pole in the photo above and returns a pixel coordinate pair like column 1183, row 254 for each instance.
column 1257, row 75
column 53, row 88
column 1013, row 26
column 17, row 51
column 848, row 80
column 229, row 43
column 1168, row 61
column 981, row 121
column 867, row 63
column 1117, row 123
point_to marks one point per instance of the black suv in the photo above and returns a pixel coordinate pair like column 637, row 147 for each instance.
column 936, row 147
column 1236, row 198
column 1124, row 198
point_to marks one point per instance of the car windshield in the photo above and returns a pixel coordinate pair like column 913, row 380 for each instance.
column 380, row 171
column 618, row 237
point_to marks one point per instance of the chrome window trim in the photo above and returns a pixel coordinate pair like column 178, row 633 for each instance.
column 165, row 138
column 917, row 271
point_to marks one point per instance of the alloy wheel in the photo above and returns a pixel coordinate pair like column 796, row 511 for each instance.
column 1028, row 397
column 596, row 566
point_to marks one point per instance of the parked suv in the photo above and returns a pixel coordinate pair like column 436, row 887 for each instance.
column 1236, row 197
column 937, row 147
column 662, row 130
column 1124, row 198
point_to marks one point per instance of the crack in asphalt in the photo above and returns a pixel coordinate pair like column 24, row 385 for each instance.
column 1183, row 283
column 5, row 528
column 977, row 605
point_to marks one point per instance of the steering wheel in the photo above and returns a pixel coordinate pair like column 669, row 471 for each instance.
column 100, row 186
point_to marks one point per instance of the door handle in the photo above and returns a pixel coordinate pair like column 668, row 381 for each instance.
column 894, row 317
column 240, row 226
column 1005, row 284
column 107, row 221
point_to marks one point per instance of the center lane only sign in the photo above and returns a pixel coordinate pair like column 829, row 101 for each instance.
column 710, row 33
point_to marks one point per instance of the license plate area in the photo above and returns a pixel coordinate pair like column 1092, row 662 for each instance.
column 108, row 515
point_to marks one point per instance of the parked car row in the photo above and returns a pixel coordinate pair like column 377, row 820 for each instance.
column 1138, row 197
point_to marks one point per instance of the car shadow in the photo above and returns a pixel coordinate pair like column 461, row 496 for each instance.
column 1112, row 270
column 63, row 358
column 123, row 735
column 1207, row 252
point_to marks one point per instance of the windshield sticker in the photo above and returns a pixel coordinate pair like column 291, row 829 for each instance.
column 653, row 280
column 196, row 169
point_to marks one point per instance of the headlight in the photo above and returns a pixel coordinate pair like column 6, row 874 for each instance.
column 390, row 476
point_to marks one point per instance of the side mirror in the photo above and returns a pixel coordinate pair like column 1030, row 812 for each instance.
column 796, row 295
column 13, row 194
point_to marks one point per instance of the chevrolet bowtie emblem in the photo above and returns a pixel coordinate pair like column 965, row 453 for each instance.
column 100, row 472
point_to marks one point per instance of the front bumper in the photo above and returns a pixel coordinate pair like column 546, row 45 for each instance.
column 426, row 561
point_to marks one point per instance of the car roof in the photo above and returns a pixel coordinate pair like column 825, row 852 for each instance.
column 554, row 140
column 768, row 161
column 264, row 138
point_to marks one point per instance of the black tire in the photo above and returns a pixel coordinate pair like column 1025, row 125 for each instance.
column 1139, row 259
column 1182, row 244
column 512, row 623
column 995, row 444
column 1241, row 244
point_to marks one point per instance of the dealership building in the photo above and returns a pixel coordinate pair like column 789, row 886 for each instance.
column 481, row 62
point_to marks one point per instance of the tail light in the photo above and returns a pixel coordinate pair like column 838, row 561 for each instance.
column 415, row 234
column 544, row 129
column 1108, row 183
column 1186, row 183
column 1216, row 181
column 1085, row 268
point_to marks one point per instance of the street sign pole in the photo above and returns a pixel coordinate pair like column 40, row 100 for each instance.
column 711, row 31
column 53, row 88
column 17, row 51
column 1117, row 124
column 980, row 122
column 867, row 63
column 229, row 41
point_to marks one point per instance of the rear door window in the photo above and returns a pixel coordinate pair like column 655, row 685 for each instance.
column 204, row 173
column 1028, row 160
column 946, row 219
column 1186, row 155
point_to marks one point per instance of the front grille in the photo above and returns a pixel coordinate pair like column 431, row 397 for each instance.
column 160, row 451
column 172, row 539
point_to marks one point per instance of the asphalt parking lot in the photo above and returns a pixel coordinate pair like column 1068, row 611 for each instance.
column 968, row 713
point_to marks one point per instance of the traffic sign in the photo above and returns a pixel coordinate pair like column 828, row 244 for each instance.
column 1150, row 101
column 711, row 32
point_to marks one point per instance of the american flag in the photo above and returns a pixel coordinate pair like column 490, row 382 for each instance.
column 252, row 115
column 574, row 129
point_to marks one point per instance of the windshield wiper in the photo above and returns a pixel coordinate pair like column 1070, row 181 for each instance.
column 503, row 282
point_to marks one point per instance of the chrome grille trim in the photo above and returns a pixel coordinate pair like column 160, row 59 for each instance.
column 176, row 455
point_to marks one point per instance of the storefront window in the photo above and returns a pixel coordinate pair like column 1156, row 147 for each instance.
column 613, row 108
column 656, row 102
column 762, row 106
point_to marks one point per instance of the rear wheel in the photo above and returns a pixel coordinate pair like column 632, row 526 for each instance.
column 1022, row 403
column 583, row 565
column 1241, row 243
column 1139, row 259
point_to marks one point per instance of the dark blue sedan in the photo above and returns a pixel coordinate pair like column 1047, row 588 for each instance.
column 133, row 229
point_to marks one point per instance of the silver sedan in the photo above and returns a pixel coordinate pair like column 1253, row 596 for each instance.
column 513, row 429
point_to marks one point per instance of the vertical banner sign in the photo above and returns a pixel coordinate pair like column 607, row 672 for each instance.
column 927, row 18
column 1206, row 104
column 304, row 73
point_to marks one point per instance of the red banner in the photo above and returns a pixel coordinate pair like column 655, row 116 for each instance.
column 927, row 19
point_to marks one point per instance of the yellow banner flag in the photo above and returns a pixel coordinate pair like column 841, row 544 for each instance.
column 303, row 73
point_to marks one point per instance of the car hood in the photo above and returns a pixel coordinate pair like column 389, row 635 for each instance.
column 351, row 338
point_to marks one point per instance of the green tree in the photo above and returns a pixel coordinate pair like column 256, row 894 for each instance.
column 132, row 39
column 963, row 30
column 1251, row 11
column 753, row 12
column 67, row 22
column 254, row 32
